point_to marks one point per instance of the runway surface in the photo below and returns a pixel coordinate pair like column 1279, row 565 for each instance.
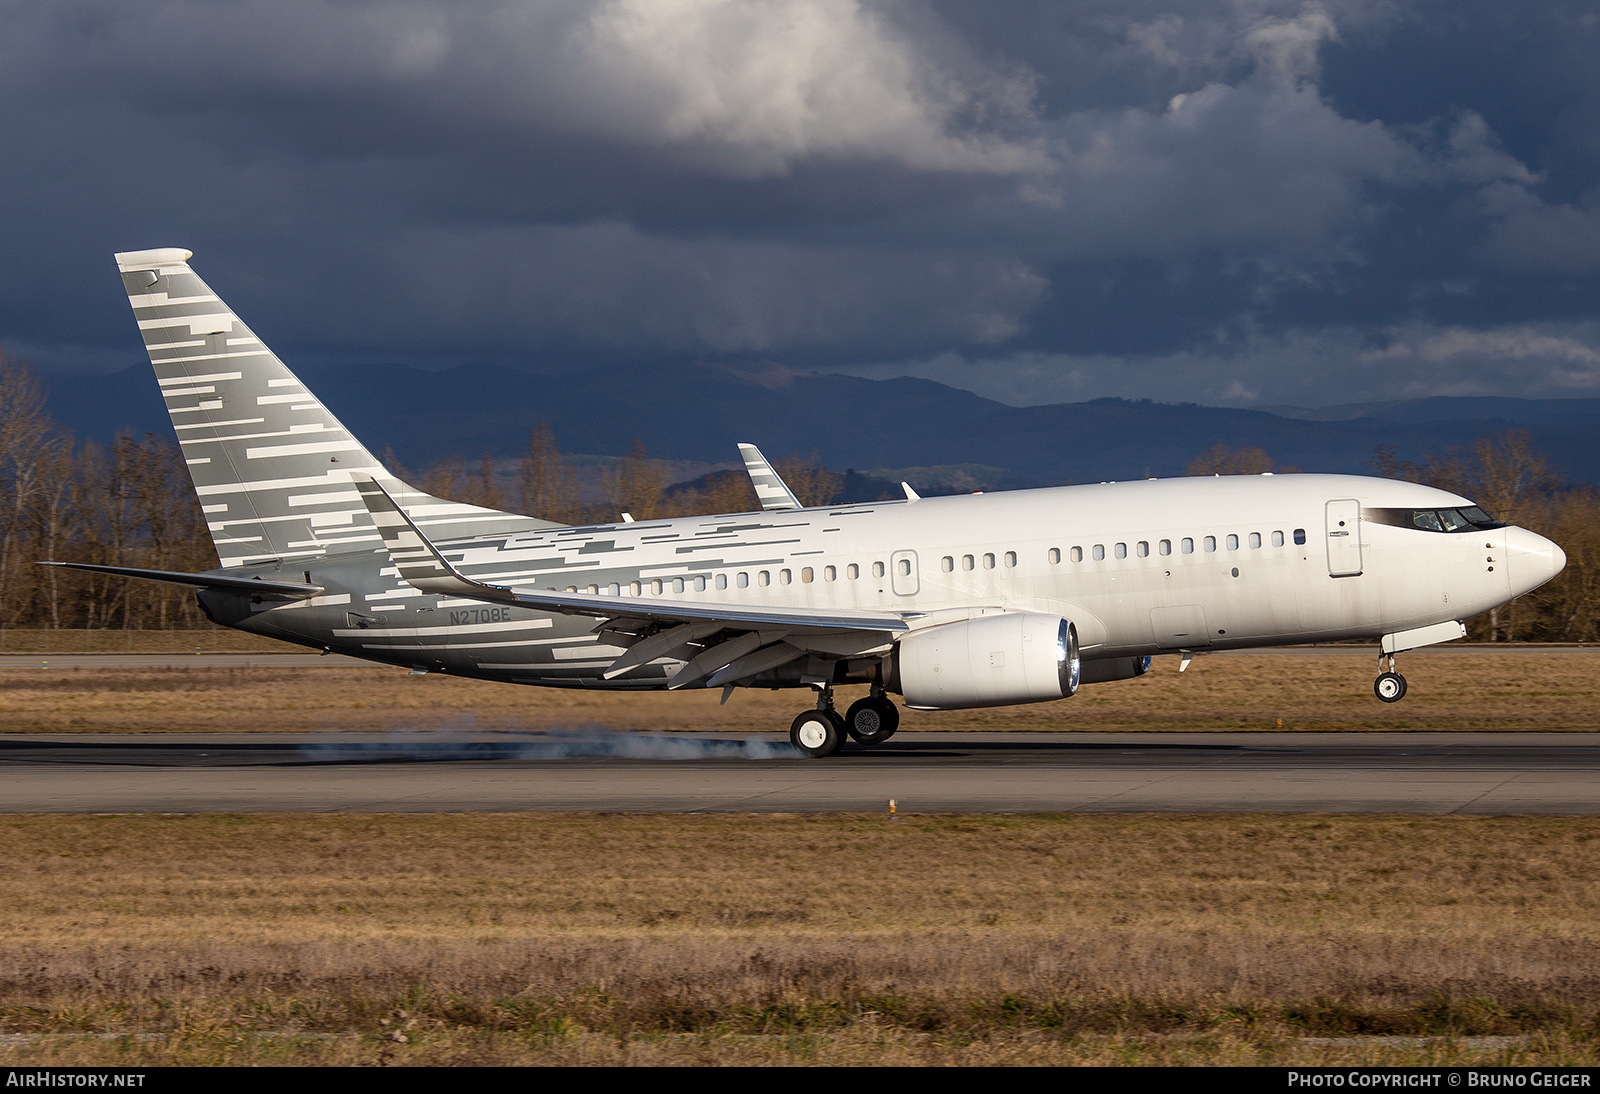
column 1545, row 773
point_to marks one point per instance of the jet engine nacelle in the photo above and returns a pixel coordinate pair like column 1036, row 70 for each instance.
column 993, row 661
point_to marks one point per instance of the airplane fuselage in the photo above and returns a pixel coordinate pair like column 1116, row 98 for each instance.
column 1138, row 568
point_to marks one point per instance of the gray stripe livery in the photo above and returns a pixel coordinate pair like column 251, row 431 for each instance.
column 773, row 492
column 272, row 466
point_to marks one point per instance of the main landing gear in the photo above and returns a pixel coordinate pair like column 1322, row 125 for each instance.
column 822, row 732
column 1390, row 686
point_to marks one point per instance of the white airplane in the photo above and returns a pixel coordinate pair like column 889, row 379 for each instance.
column 951, row 602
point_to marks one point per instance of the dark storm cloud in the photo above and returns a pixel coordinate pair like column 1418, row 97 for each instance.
column 1225, row 201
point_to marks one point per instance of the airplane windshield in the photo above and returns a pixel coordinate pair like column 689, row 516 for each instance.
column 1464, row 519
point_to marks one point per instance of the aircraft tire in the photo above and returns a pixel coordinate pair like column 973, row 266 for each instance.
column 816, row 734
column 1390, row 687
column 872, row 721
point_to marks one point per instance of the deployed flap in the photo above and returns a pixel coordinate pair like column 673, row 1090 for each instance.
column 422, row 567
column 773, row 492
column 276, row 590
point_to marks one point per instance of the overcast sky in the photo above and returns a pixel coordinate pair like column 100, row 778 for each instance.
column 1230, row 202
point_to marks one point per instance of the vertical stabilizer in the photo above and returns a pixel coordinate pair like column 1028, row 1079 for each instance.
column 272, row 466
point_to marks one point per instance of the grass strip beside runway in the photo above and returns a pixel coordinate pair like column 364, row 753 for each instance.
column 786, row 939
column 1474, row 690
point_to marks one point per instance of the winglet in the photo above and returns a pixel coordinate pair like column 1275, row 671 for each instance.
column 772, row 491
column 420, row 564
column 911, row 495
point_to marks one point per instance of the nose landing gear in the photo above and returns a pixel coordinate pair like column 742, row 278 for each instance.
column 1390, row 686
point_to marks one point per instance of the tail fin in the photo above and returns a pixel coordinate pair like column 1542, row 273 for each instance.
column 271, row 465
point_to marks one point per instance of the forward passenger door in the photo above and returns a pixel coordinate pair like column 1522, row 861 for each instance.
column 1344, row 538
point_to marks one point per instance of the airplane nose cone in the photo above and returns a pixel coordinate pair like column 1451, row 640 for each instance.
column 1532, row 559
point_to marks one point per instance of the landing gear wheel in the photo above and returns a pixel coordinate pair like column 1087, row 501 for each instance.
column 817, row 733
column 872, row 720
column 1390, row 687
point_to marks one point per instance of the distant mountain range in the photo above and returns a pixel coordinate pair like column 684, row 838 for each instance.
column 929, row 433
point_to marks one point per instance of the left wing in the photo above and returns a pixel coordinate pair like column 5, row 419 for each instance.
column 766, row 636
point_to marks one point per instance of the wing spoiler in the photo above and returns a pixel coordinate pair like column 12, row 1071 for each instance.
column 422, row 567
column 271, row 590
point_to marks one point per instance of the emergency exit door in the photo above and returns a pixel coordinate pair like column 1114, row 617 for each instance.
column 903, row 575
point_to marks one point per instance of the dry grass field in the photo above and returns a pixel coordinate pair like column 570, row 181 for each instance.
column 1528, row 689
column 568, row 939
column 116, row 640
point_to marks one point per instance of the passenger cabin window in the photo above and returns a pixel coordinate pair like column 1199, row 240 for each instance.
column 988, row 561
column 1055, row 555
column 1255, row 539
column 677, row 584
column 785, row 577
column 743, row 580
column 947, row 564
column 1233, row 542
column 1099, row 551
column 1077, row 554
column 877, row 569
column 905, row 567
column 1211, row 543
column 852, row 571
column 805, row 575
column 633, row 588
column 722, row 581
column 1011, row 558
column 829, row 573
column 1300, row 535
column 700, row 584
column 1144, row 548
column 764, row 578
column 1277, row 539
column 1122, row 550
column 1166, row 546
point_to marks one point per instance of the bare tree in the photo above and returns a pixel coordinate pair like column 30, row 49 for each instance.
column 636, row 485
column 27, row 444
column 549, row 488
column 1221, row 459
column 812, row 483
column 1386, row 462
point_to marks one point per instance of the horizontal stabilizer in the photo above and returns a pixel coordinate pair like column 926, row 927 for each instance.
column 422, row 567
column 275, row 590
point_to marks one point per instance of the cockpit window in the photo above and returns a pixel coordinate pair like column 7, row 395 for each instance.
column 1464, row 519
